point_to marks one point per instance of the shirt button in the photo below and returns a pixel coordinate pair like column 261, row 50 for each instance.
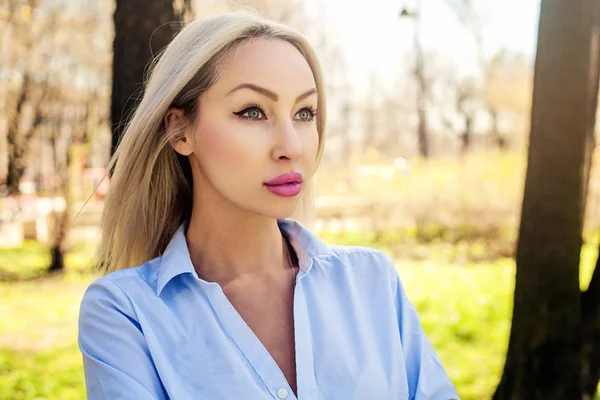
column 282, row 393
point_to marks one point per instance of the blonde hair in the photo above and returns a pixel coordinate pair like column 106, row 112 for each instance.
column 150, row 192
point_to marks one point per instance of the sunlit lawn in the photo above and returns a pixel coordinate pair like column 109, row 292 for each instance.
column 465, row 310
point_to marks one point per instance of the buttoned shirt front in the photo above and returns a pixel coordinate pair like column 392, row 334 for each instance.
column 158, row 331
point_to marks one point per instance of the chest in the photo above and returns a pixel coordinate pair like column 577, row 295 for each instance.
column 268, row 312
column 240, row 343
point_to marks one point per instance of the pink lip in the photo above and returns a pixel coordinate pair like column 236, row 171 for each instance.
column 292, row 177
column 285, row 185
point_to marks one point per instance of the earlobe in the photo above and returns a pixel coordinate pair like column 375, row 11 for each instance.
column 181, row 146
column 176, row 131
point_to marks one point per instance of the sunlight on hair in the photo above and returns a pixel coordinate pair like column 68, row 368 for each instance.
column 150, row 191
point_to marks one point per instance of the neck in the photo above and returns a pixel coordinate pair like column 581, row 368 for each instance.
column 228, row 246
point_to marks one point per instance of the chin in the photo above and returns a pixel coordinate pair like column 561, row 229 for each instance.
column 271, row 209
column 281, row 213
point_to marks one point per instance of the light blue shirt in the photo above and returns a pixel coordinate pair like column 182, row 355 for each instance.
column 157, row 331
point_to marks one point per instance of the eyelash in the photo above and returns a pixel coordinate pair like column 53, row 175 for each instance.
column 311, row 110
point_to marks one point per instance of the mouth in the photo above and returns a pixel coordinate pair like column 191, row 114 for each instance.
column 285, row 185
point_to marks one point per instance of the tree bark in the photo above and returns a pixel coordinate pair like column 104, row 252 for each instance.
column 62, row 223
column 467, row 133
column 61, row 220
column 142, row 28
column 590, row 310
column 544, row 354
column 498, row 141
column 422, row 86
column 422, row 92
column 18, row 143
column 590, row 299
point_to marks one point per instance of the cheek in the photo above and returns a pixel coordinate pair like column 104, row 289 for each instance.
column 311, row 143
column 225, row 144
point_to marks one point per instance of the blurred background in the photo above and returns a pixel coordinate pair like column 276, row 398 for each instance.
column 430, row 110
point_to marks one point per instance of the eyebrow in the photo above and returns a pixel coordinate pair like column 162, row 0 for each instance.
column 268, row 93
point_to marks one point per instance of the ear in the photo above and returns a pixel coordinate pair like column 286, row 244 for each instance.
column 176, row 127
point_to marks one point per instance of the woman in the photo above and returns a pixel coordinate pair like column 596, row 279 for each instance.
column 230, row 299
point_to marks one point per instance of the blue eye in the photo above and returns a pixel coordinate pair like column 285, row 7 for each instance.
column 307, row 114
column 253, row 113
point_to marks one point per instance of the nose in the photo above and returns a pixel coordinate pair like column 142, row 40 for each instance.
column 288, row 145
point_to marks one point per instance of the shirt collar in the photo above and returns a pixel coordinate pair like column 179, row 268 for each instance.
column 176, row 257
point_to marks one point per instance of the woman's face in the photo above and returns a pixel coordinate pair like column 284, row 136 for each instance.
column 257, row 122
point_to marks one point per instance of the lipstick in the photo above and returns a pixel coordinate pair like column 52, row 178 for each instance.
column 285, row 185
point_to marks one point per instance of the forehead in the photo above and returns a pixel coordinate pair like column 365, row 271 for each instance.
column 271, row 63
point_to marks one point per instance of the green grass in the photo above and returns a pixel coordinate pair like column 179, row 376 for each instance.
column 465, row 311
column 39, row 358
column 32, row 259
column 464, row 308
column 55, row 373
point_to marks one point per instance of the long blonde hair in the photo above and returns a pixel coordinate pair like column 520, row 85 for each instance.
column 150, row 192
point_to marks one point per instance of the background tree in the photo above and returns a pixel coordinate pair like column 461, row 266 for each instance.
column 545, row 358
column 466, row 98
column 506, row 94
column 24, row 33
column 420, row 75
column 504, row 84
column 142, row 29
column 67, row 117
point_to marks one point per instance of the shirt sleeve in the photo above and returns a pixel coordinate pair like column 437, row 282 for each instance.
column 427, row 378
column 116, row 359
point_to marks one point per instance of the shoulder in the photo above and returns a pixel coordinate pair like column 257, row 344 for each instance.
column 350, row 252
column 366, row 261
column 113, row 291
column 362, row 255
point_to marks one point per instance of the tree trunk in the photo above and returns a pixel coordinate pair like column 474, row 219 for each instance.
column 347, row 148
column 422, row 87
column 62, row 224
column 544, row 354
column 465, row 136
column 142, row 28
column 590, row 299
column 423, row 134
column 62, row 221
column 17, row 141
column 590, row 310
column 498, row 141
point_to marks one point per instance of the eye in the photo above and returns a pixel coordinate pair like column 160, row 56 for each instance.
column 307, row 114
column 253, row 112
